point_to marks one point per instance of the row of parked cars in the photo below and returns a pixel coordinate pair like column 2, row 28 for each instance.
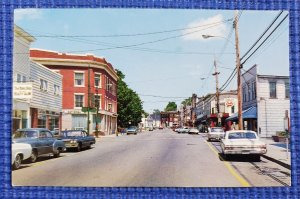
column 31, row 143
column 234, row 142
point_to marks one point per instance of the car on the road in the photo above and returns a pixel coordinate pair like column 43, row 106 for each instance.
column 177, row 129
column 19, row 153
column 132, row 130
column 41, row 140
column 242, row 142
column 193, row 131
column 151, row 128
column 77, row 139
column 184, row 130
column 215, row 133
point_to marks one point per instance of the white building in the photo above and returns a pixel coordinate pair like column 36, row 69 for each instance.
column 270, row 95
column 37, row 99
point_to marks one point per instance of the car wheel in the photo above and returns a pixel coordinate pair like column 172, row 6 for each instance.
column 78, row 148
column 57, row 154
column 208, row 139
column 17, row 162
column 256, row 158
column 34, row 156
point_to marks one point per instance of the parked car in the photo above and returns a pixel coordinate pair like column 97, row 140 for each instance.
column 215, row 133
column 19, row 152
column 193, row 131
column 184, row 130
column 177, row 129
column 243, row 142
column 132, row 130
column 41, row 140
column 77, row 139
column 151, row 128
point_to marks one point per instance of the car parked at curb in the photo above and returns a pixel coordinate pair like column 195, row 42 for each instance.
column 77, row 139
column 193, row 131
column 19, row 153
column 41, row 140
column 242, row 142
column 184, row 130
column 215, row 133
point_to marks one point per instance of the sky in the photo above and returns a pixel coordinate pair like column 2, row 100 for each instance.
column 161, row 51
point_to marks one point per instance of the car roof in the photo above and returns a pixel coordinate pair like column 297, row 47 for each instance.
column 241, row 131
column 33, row 129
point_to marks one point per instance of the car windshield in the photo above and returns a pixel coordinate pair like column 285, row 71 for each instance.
column 25, row 134
column 72, row 133
column 217, row 130
column 242, row 135
column 132, row 128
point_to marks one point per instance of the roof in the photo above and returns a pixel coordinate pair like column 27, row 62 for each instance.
column 250, row 113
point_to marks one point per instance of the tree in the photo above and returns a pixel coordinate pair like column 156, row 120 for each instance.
column 187, row 102
column 130, row 106
column 172, row 106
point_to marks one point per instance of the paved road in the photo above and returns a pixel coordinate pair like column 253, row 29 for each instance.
column 161, row 158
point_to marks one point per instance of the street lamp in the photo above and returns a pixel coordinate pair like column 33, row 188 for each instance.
column 238, row 67
column 210, row 36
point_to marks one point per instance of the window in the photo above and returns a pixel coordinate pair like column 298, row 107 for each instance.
column 287, row 90
column 19, row 77
column 109, row 107
column 244, row 94
column 232, row 109
column 272, row 89
column 97, row 100
column 23, row 79
column 249, row 92
column 97, row 80
column 79, row 79
column 43, row 85
column 253, row 90
column 56, row 89
column 78, row 100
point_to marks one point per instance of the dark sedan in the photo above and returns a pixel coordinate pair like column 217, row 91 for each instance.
column 41, row 140
column 77, row 139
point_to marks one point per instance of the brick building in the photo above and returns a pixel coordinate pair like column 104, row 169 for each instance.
column 83, row 74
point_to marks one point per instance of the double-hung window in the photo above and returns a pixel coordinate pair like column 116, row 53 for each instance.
column 287, row 90
column 253, row 90
column 79, row 100
column 272, row 89
column 43, row 85
column 98, row 80
column 56, row 89
column 79, row 79
column 98, row 101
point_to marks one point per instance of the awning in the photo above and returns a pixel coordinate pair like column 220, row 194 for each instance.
column 250, row 113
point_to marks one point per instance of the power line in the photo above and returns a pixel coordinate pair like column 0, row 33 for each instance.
column 131, row 35
column 267, row 29
column 160, row 96
column 266, row 38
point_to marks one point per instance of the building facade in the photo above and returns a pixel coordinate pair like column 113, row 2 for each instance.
column 37, row 99
column 89, row 90
column 169, row 118
column 270, row 96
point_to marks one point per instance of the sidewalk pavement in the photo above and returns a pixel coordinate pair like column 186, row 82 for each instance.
column 277, row 152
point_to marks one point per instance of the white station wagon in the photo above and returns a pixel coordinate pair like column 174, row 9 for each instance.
column 244, row 142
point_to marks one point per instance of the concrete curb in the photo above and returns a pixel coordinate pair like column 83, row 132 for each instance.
column 285, row 165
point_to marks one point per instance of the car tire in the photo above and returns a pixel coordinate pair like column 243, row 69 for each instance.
column 17, row 162
column 57, row 154
column 78, row 149
column 33, row 157
column 256, row 158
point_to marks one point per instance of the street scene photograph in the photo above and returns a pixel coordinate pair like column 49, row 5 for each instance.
column 151, row 98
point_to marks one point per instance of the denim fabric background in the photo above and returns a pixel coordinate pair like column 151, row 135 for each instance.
column 6, row 44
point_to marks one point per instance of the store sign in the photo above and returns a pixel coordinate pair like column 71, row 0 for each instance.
column 22, row 90
column 229, row 102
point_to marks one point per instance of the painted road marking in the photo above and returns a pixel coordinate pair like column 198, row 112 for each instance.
column 243, row 182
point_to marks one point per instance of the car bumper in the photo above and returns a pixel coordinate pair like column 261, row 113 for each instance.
column 71, row 145
column 215, row 136
column 246, row 151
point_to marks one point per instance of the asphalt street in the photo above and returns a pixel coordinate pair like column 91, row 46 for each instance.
column 160, row 158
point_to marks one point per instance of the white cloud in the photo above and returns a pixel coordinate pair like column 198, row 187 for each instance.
column 21, row 14
column 209, row 26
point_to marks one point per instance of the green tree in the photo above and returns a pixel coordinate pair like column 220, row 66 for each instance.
column 187, row 102
column 172, row 106
column 130, row 106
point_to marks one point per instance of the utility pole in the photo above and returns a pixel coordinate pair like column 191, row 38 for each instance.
column 238, row 67
column 88, row 107
column 217, row 91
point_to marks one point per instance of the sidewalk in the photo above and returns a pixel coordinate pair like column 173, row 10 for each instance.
column 277, row 152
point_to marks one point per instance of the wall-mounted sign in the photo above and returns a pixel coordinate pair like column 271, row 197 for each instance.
column 22, row 90
column 229, row 102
